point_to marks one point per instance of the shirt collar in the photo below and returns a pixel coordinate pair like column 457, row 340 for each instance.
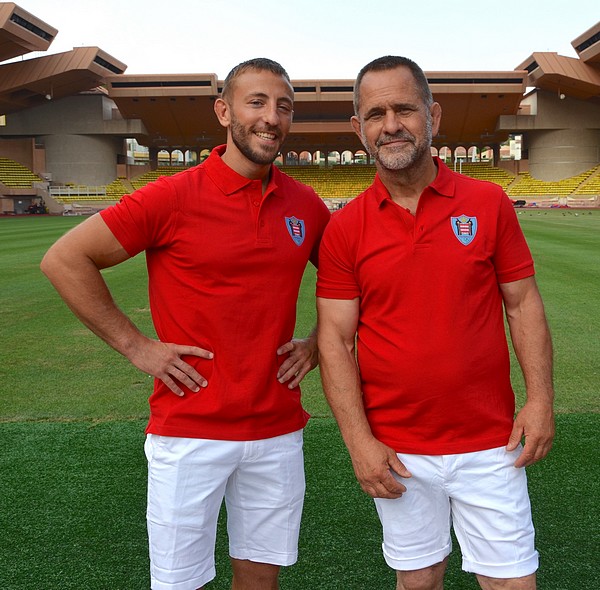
column 228, row 180
column 443, row 183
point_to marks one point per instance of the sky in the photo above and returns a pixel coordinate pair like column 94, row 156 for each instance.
column 316, row 39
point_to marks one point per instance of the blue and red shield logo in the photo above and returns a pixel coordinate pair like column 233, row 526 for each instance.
column 296, row 229
column 464, row 228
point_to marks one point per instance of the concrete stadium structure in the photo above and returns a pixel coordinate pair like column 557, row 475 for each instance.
column 67, row 117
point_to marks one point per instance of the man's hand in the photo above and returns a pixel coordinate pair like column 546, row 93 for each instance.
column 163, row 361
column 303, row 357
column 373, row 464
column 535, row 422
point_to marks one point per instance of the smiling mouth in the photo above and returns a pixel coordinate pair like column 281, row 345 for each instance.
column 394, row 141
column 266, row 136
column 397, row 141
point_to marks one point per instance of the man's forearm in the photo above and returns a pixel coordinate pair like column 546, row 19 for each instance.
column 341, row 384
column 533, row 347
column 81, row 285
column 337, row 324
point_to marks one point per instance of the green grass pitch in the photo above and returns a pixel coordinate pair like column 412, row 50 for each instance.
column 72, row 414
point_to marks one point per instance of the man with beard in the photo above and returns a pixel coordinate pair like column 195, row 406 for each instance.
column 414, row 273
column 226, row 244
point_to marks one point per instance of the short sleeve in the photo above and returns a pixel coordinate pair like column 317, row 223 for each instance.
column 512, row 257
column 143, row 219
column 322, row 216
column 336, row 278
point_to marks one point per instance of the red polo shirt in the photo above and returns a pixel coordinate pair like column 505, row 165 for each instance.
column 225, row 262
column 432, row 348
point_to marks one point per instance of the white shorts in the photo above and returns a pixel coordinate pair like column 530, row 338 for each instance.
column 263, row 485
column 482, row 495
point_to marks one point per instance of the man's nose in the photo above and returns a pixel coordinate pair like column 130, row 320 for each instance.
column 271, row 115
column 392, row 123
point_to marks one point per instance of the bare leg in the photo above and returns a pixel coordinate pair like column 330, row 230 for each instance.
column 524, row 583
column 251, row 575
column 429, row 578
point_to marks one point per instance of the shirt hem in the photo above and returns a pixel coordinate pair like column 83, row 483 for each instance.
column 223, row 434
column 447, row 448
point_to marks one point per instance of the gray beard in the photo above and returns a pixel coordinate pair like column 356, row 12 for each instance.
column 405, row 159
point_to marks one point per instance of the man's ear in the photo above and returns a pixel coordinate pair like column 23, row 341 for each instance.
column 356, row 126
column 436, row 118
column 222, row 112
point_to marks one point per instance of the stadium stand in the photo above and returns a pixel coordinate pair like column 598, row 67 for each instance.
column 592, row 185
column 113, row 191
column 15, row 175
column 117, row 188
column 485, row 171
column 527, row 186
column 152, row 175
column 337, row 184
column 76, row 193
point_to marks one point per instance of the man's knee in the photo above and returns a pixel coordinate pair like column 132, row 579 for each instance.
column 428, row 578
column 524, row 583
column 252, row 575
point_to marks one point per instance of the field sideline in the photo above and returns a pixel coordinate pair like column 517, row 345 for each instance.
column 72, row 413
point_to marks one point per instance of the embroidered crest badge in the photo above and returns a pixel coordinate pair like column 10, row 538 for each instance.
column 296, row 229
column 464, row 228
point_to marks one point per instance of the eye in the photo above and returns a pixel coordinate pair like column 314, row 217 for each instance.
column 405, row 111
column 375, row 116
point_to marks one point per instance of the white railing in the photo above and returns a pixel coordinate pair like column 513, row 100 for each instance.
column 77, row 191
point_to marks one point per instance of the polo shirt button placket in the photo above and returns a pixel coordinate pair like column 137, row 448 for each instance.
column 418, row 217
column 262, row 234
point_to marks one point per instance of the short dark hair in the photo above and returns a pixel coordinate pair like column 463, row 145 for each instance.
column 259, row 64
column 391, row 62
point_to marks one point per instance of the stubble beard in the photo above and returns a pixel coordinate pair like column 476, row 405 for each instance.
column 241, row 137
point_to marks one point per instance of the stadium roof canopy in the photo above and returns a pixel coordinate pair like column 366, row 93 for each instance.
column 177, row 110
column 27, row 83
column 577, row 78
column 21, row 32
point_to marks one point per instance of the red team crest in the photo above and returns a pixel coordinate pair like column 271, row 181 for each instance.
column 296, row 229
